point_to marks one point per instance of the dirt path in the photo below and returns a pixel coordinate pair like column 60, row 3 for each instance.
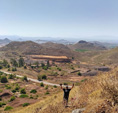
column 34, row 80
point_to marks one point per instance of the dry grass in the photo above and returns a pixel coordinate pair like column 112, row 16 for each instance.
column 98, row 95
column 52, row 103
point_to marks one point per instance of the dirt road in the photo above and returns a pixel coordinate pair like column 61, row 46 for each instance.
column 34, row 80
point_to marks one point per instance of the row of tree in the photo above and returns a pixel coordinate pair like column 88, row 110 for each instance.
column 13, row 62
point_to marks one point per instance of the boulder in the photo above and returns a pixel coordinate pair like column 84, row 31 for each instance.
column 78, row 110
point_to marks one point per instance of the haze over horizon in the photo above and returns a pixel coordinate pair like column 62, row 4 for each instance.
column 79, row 19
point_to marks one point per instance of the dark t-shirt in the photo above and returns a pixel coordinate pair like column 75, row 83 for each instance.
column 66, row 93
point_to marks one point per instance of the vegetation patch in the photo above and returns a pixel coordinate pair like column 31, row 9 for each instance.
column 25, row 104
column 33, row 91
column 23, row 95
column 8, row 108
column 81, row 50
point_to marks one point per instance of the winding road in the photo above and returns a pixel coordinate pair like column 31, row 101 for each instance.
column 34, row 80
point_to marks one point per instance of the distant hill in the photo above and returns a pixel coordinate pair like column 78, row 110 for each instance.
column 5, row 41
column 29, row 48
column 107, row 57
column 106, row 44
column 62, row 41
column 86, row 46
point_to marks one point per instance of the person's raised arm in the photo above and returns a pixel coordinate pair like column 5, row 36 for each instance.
column 61, row 86
column 72, row 86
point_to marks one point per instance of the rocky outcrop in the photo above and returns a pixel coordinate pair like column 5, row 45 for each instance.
column 78, row 110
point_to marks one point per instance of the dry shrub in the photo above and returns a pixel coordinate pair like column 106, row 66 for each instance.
column 58, row 108
column 110, row 89
column 101, row 106
column 100, row 93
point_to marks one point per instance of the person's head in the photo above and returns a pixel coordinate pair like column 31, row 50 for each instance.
column 66, row 87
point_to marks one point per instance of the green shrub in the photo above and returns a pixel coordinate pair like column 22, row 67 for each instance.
column 65, row 83
column 41, row 84
column 31, row 97
column 11, row 76
column 25, row 67
column 44, row 77
column 59, row 69
column 47, row 93
column 79, row 74
column 2, row 103
column 55, row 86
column 45, row 67
column 17, row 88
column 39, row 78
column 8, row 108
column 12, row 98
column 25, row 78
column 23, row 95
column 1, row 73
column 1, row 67
column 23, row 91
column 13, row 91
column 14, row 69
column 8, row 86
column 25, row 104
column 46, row 87
column 4, row 79
column 33, row 91
column 72, row 68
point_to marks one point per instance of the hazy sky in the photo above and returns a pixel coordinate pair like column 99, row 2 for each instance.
column 59, row 18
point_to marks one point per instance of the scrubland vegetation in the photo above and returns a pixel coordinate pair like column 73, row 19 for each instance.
column 95, row 91
column 96, row 95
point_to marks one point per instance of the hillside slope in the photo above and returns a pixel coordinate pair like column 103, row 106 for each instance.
column 86, row 46
column 29, row 48
column 107, row 57
column 46, row 105
column 98, row 94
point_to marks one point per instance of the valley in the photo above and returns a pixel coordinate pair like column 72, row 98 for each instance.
column 38, row 70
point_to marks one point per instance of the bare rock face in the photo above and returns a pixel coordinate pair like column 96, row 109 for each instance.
column 82, row 41
column 78, row 110
column 102, row 68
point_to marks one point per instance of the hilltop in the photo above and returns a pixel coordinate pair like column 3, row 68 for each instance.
column 86, row 46
column 4, row 42
column 29, row 48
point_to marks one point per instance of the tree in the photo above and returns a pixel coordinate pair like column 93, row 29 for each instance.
column 4, row 79
column 79, row 74
column 23, row 91
column 5, row 63
column 14, row 62
column 48, row 63
column 37, row 64
column 25, row 78
column 42, row 64
column 1, row 67
column 44, row 77
column 14, row 69
column 21, row 62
